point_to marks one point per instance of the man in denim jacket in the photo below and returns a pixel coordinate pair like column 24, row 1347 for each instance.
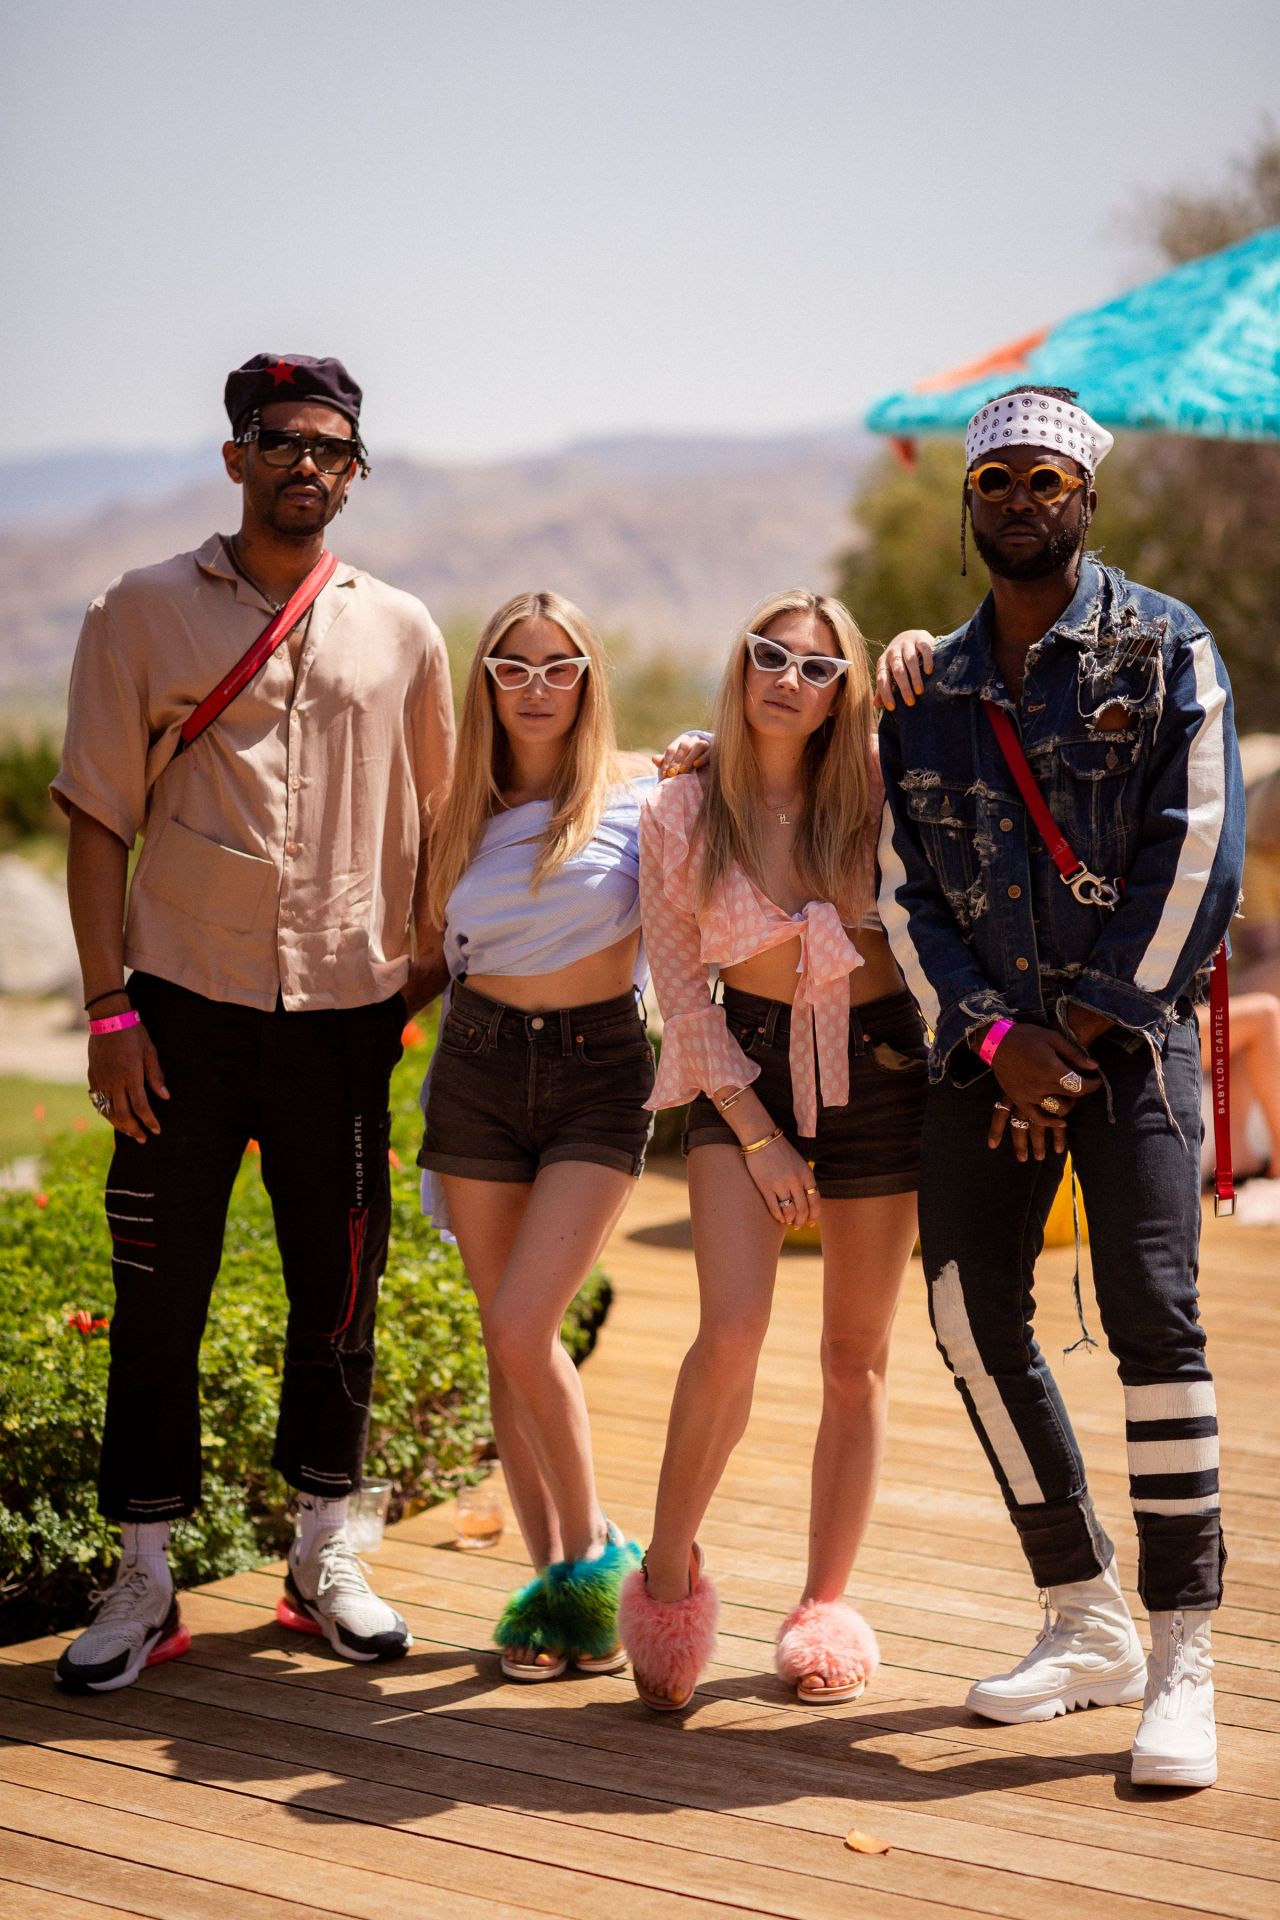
column 1059, row 1020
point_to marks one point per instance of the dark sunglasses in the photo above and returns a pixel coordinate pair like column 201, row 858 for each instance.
column 819, row 669
column 1044, row 482
column 329, row 453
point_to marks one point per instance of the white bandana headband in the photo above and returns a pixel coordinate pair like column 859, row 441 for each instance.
column 1036, row 420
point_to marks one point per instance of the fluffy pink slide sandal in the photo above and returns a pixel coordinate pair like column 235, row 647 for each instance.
column 820, row 1645
column 669, row 1641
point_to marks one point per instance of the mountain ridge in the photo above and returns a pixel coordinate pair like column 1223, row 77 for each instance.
column 669, row 537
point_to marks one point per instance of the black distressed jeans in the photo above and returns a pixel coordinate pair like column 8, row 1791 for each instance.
column 312, row 1089
column 982, row 1218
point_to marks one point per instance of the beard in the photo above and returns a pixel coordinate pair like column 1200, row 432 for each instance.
column 1053, row 555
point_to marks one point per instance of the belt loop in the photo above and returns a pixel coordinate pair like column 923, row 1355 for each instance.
column 771, row 1021
column 566, row 1031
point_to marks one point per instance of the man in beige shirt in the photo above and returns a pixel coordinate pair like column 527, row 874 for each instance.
column 270, row 927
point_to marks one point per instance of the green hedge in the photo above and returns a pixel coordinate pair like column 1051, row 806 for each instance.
column 430, row 1416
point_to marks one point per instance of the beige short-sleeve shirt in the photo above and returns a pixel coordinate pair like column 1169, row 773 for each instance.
column 280, row 852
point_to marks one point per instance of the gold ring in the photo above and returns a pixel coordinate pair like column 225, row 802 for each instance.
column 811, row 1191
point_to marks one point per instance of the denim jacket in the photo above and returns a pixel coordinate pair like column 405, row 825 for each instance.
column 1126, row 722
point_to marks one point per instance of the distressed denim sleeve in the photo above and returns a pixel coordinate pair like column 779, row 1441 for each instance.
column 937, row 963
column 1184, row 883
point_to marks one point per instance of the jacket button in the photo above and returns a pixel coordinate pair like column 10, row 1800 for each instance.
column 1006, row 826
column 1015, row 893
column 1022, row 963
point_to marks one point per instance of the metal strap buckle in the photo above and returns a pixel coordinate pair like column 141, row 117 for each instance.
column 1090, row 890
column 1224, row 1205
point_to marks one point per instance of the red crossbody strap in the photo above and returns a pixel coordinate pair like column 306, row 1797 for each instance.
column 1086, row 886
column 252, row 662
column 1047, row 827
column 1224, row 1186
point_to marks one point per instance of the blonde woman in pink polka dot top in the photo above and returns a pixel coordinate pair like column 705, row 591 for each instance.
column 807, row 1087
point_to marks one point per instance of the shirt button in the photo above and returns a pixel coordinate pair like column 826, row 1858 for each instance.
column 294, row 784
column 1006, row 826
column 1022, row 963
column 537, row 1023
column 1015, row 893
column 291, row 846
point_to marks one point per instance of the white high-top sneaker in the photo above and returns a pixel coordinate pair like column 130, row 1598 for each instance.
column 1086, row 1655
column 1177, row 1743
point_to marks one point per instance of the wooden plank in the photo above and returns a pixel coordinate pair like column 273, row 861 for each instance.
column 348, row 1821
column 242, row 1865
column 120, row 1886
column 436, row 1785
column 731, row 1772
column 37, row 1903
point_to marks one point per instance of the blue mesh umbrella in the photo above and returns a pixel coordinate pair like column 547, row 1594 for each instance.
column 1196, row 351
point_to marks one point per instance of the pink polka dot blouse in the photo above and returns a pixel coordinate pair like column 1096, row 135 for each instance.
column 699, row 1054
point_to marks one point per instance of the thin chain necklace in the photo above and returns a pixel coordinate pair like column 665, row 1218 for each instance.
column 233, row 556
column 780, row 813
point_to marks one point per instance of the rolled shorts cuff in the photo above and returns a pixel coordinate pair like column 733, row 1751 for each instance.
column 523, row 1172
column 868, row 1186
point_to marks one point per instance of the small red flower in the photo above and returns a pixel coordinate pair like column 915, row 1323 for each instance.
column 80, row 1124
column 82, row 1321
column 253, row 1147
column 42, row 1200
column 412, row 1036
column 393, row 1159
column 38, row 1113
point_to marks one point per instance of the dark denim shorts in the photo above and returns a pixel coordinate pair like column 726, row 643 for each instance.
column 870, row 1147
column 511, row 1092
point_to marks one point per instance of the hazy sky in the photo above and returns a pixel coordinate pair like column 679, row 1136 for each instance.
column 521, row 221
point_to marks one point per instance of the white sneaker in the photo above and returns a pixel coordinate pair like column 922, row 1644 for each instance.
column 1086, row 1655
column 326, row 1592
column 136, row 1625
column 1177, row 1743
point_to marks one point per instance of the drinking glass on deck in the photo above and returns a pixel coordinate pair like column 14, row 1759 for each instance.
column 477, row 1518
column 367, row 1515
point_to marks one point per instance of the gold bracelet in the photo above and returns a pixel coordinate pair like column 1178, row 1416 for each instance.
column 725, row 1104
column 758, row 1146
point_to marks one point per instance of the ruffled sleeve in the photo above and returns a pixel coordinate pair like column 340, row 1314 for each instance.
column 699, row 1053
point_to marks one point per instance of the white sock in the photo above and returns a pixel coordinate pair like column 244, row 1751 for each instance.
column 147, row 1541
column 317, row 1516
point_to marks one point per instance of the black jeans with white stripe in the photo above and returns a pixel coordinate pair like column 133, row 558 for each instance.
column 982, row 1218
column 312, row 1090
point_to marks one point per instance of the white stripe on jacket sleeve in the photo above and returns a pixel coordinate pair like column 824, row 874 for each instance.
column 1206, row 812
column 897, row 924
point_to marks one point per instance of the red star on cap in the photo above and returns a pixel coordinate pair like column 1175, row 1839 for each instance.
column 282, row 372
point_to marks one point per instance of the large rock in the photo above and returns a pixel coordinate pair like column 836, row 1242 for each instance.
column 37, row 947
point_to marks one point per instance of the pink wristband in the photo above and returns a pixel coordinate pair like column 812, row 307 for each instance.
column 991, row 1040
column 116, row 1022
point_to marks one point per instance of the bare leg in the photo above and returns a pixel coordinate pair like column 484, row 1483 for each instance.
column 570, row 1209
column 866, row 1245
column 486, row 1216
column 736, row 1244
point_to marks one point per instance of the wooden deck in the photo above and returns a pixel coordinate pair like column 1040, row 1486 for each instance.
column 257, row 1780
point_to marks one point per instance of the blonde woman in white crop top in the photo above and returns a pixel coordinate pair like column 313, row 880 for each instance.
column 536, row 1123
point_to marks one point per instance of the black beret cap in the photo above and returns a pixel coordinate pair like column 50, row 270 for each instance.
column 292, row 376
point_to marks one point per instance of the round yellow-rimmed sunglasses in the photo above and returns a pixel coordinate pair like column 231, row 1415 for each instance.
column 1045, row 483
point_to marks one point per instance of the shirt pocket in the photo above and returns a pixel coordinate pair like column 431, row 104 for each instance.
column 212, row 883
column 1092, row 799
column 947, row 821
